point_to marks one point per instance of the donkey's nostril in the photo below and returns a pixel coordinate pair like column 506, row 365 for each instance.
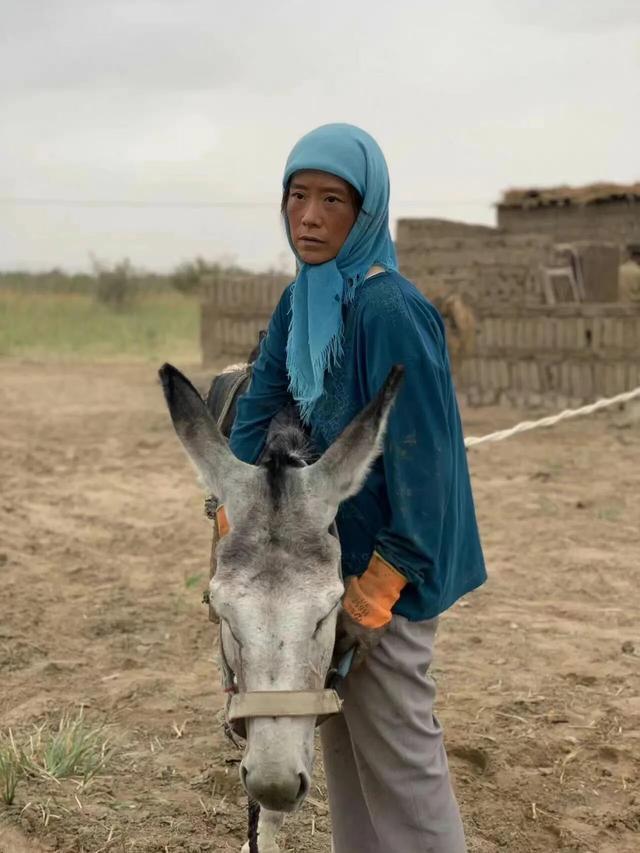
column 276, row 790
column 303, row 790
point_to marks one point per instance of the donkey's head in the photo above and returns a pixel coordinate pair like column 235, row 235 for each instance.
column 278, row 584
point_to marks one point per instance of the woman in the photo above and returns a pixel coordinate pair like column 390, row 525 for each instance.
column 410, row 544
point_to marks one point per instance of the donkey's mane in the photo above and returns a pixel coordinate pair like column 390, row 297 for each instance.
column 287, row 446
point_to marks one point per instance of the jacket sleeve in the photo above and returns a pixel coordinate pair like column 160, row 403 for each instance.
column 417, row 456
column 268, row 391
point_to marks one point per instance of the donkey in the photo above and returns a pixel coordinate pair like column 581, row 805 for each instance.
column 278, row 584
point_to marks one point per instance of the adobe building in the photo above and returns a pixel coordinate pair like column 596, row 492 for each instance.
column 608, row 213
column 549, row 327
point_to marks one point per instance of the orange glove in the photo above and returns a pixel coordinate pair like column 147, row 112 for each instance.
column 369, row 598
column 366, row 608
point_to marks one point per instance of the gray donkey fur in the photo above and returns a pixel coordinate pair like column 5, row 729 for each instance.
column 278, row 585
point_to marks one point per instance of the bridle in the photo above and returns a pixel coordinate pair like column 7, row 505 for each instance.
column 243, row 705
column 247, row 704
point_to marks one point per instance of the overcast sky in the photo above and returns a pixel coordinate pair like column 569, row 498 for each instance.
column 146, row 114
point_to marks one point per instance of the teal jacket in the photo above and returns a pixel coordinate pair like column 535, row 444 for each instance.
column 416, row 507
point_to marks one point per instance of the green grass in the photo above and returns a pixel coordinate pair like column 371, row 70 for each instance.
column 193, row 581
column 57, row 281
column 76, row 326
column 10, row 772
column 71, row 749
column 612, row 512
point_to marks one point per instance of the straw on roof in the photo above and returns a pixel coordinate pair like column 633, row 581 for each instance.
column 563, row 196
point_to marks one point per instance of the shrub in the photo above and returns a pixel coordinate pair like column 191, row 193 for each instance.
column 188, row 277
column 115, row 286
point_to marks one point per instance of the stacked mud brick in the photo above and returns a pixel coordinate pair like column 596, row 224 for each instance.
column 482, row 264
column 527, row 352
column 572, row 355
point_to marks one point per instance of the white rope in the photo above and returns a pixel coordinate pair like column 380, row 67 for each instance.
column 524, row 426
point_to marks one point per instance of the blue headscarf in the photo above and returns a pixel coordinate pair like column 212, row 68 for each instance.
column 320, row 290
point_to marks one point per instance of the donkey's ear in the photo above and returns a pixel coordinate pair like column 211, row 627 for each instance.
column 341, row 470
column 199, row 433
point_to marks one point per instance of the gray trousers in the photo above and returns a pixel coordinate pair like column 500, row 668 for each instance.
column 384, row 758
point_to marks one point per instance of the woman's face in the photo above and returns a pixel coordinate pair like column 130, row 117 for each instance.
column 321, row 212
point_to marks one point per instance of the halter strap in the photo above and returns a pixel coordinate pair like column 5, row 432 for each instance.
column 284, row 703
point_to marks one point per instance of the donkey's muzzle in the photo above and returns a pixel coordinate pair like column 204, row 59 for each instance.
column 275, row 789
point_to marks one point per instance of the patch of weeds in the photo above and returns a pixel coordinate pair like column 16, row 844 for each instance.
column 10, row 771
column 179, row 605
column 547, row 506
column 610, row 513
column 193, row 581
column 180, row 602
column 74, row 749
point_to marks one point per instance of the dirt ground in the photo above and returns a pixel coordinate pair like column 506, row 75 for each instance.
column 103, row 557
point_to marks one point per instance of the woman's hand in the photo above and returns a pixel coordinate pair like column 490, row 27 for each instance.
column 366, row 608
column 351, row 633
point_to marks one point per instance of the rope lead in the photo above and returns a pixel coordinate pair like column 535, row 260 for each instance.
column 253, row 810
column 525, row 426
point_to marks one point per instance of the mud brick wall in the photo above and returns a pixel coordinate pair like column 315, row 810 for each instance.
column 613, row 221
column 570, row 356
column 412, row 231
column 233, row 311
column 482, row 264
column 524, row 354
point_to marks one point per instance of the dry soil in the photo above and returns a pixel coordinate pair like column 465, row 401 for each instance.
column 103, row 557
